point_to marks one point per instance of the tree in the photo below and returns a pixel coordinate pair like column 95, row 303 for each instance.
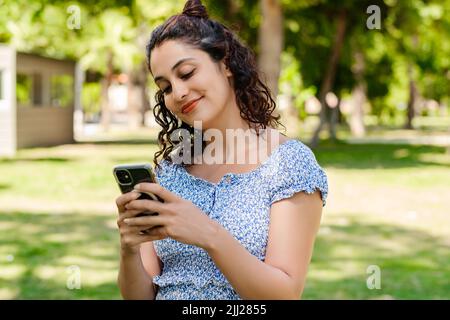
column 271, row 42
column 424, row 47
column 322, row 34
column 108, row 45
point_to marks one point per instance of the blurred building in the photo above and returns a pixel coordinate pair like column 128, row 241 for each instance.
column 38, row 96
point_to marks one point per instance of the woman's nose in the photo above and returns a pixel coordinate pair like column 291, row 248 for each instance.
column 180, row 90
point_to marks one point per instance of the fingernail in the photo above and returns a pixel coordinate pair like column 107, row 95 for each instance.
column 126, row 221
column 137, row 187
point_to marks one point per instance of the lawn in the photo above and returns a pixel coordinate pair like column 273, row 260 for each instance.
column 387, row 207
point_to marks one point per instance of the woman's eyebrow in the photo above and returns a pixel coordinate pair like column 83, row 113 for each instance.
column 174, row 67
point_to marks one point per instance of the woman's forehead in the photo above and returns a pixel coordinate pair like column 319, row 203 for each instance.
column 166, row 55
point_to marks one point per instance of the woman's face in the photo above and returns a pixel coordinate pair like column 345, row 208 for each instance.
column 185, row 75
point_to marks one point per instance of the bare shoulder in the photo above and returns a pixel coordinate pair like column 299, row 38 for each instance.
column 281, row 138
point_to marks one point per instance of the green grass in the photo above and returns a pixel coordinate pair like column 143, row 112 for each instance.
column 387, row 206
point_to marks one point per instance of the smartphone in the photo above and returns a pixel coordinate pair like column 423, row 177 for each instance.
column 128, row 175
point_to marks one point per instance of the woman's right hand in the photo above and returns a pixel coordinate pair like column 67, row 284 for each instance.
column 130, row 236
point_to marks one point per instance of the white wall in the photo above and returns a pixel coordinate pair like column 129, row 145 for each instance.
column 8, row 138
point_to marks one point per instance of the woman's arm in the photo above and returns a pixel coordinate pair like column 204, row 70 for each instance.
column 134, row 281
column 294, row 224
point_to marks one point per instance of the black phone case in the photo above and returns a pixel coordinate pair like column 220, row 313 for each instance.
column 139, row 173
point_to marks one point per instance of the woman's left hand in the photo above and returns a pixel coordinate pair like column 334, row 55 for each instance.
column 178, row 218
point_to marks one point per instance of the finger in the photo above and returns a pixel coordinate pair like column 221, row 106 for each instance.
column 132, row 230
column 144, row 231
column 157, row 189
column 156, row 233
column 125, row 198
column 149, row 221
column 128, row 214
column 135, row 239
column 146, row 205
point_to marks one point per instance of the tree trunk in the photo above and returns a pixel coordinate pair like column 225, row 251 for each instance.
column 334, row 118
column 145, row 101
column 358, row 96
column 413, row 93
column 411, row 109
column 271, row 43
column 133, row 101
column 357, row 116
column 106, row 83
column 329, row 77
column 142, row 73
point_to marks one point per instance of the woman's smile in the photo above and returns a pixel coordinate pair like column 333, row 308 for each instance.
column 190, row 106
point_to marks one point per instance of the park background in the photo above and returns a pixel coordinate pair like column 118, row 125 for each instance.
column 363, row 83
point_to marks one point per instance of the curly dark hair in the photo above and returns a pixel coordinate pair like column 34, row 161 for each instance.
column 195, row 28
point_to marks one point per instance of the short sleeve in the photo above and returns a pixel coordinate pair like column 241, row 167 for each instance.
column 296, row 170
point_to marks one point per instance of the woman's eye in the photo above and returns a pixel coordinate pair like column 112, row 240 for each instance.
column 166, row 90
column 184, row 77
column 187, row 75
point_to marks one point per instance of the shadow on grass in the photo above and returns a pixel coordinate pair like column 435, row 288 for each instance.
column 414, row 264
column 46, row 159
column 44, row 245
column 369, row 156
column 119, row 142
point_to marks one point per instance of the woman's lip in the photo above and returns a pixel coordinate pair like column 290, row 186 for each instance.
column 192, row 106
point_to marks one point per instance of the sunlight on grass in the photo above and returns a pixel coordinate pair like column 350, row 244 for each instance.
column 12, row 271
column 46, row 272
column 95, row 278
column 90, row 261
column 63, row 237
column 8, row 293
column 326, row 275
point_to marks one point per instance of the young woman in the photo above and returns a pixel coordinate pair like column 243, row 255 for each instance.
column 225, row 230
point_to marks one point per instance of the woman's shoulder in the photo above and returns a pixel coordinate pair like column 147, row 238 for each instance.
column 295, row 168
column 293, row 151
column 286, row 146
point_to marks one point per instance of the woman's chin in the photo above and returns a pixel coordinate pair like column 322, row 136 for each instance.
column 205, row 121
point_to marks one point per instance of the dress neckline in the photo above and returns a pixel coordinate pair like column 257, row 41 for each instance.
column 239, row 175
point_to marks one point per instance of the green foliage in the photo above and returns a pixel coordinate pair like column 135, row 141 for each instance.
column 90, row 98
column 23, row 89
column 290, row 83
column 111, row 32
column 413, row 33
column 419, row 33
column 61, row 90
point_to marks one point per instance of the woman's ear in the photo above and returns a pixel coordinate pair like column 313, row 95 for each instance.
column 228, row 72
column 225, row 69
